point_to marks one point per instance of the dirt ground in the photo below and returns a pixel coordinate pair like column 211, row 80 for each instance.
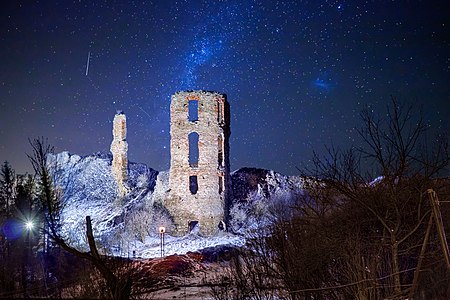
column 181, row 277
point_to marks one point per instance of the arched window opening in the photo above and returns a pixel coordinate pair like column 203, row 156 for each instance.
column 193, row 149
column 221, row 226
column 193, row 110
column 193, row 184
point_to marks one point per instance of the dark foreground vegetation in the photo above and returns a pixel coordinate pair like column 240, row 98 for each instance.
column 349, row 237
column 346, row 237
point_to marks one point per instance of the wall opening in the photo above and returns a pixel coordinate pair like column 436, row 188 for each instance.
column 221, row 226
column 193, row 110
column 193, row 184
column 193, row 149
column 221, row 184
column 220, row 150
column 193, row 226
column 220, row 111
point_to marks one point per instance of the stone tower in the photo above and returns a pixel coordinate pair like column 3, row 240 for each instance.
column 199, row 176
column 119, row 148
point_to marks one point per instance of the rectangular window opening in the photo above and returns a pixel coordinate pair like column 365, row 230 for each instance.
column 220, row 158
column 220, row 112
column 220, row 184
column 220, row 150
column 193, row 110
column 193, row 184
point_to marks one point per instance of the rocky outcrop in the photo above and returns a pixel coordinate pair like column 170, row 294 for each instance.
column 260, row 193
column 89, row 188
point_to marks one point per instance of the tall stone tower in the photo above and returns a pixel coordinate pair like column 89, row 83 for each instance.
column 119, row 148
column 199, row 176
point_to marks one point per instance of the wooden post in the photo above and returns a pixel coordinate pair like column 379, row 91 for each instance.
column 436, row 215
column 440, row 225
column 421, row 256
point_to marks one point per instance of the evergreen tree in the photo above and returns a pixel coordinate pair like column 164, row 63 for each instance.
column 7, row 179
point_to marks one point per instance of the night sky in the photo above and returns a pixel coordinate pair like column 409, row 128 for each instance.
column 296, row 73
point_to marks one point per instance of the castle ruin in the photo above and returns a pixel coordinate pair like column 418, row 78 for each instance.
column 199, row 176
column 119, row 148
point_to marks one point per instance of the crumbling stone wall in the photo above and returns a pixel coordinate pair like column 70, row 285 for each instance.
column 119, row 148
column 199, row 191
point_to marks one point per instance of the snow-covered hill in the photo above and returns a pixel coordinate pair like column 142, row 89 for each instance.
column 130, row 224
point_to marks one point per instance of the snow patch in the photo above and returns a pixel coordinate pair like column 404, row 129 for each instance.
column 151, row 247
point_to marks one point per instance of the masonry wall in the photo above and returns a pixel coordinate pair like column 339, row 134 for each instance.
column 207, row 204
column 119, row 148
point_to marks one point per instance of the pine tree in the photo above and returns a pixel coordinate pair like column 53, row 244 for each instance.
column 7, row 179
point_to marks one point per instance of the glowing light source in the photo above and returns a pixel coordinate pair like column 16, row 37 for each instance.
column 162, row 230
column 29, row 225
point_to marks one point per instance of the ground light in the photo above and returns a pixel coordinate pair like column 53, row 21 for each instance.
column 29, row 225
column 162, row 230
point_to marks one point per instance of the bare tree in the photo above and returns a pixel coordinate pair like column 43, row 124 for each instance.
column 118, row 283
column 396, row 203
column 352, row 237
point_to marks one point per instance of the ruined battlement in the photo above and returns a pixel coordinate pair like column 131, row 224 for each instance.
column 199, row 176
column 119, row 148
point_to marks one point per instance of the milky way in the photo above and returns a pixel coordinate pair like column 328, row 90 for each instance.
column 297, row 73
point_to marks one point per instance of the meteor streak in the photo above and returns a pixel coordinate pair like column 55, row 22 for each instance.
column 143, row 111
column 87, row 65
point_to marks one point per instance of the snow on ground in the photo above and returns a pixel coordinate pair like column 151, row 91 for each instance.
column 177, row 245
